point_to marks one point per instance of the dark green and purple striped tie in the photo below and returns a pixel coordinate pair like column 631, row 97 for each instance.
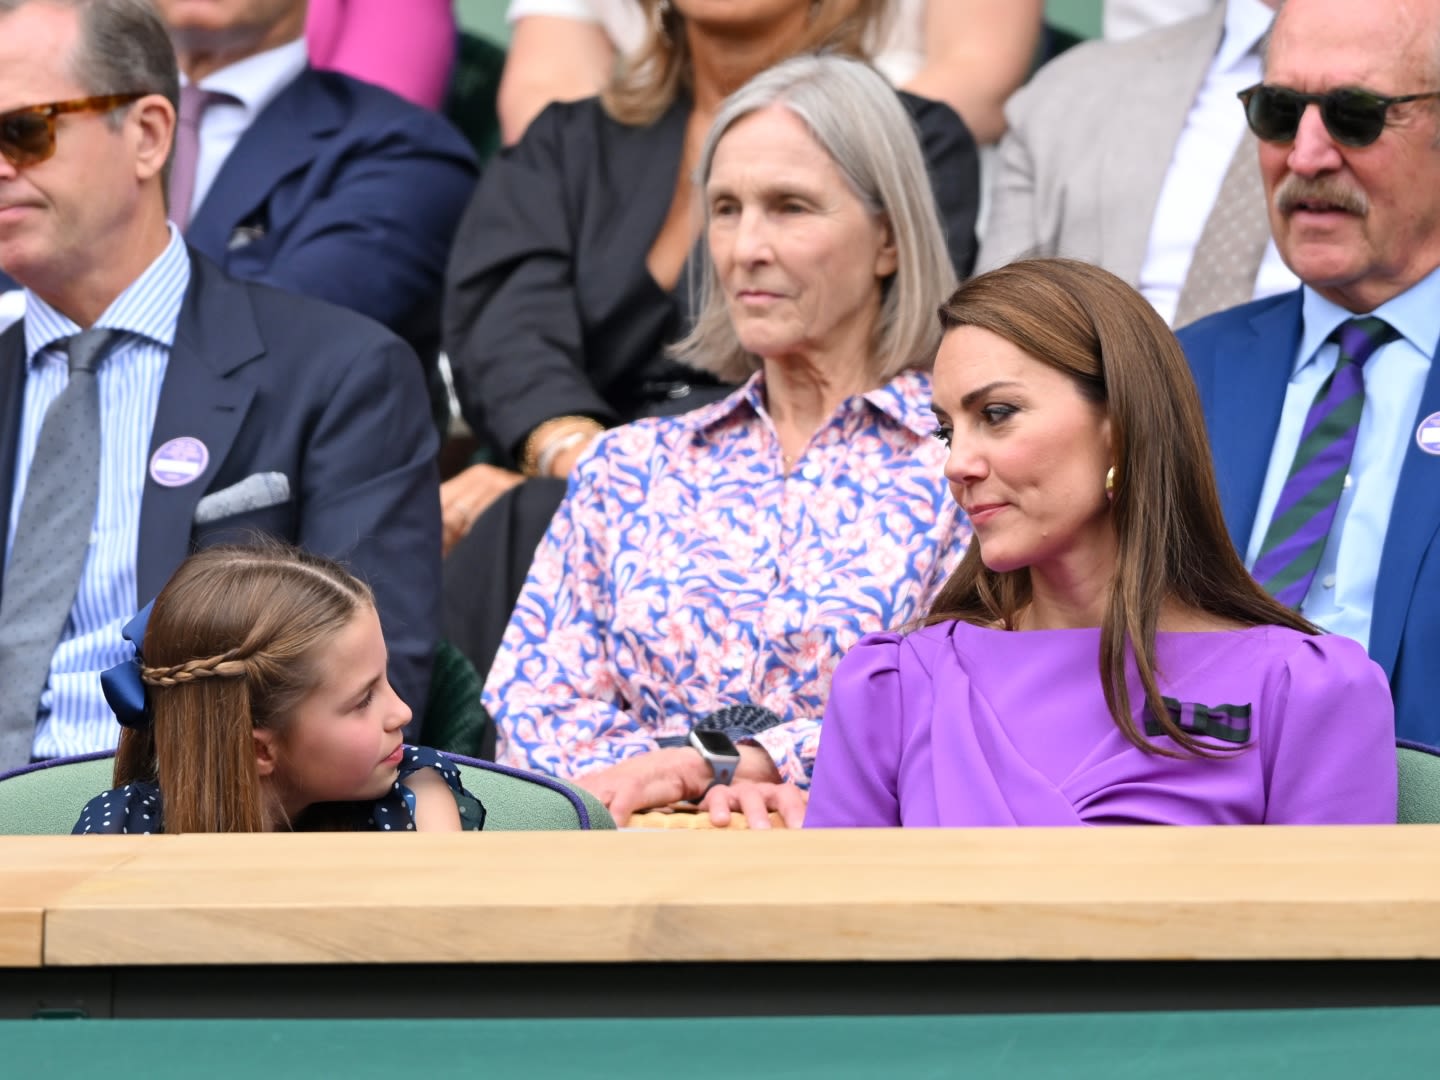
column 1301, row 523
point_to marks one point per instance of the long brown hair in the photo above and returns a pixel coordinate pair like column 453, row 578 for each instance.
column 230, row 646
column 1172, row 540
column 644, row 86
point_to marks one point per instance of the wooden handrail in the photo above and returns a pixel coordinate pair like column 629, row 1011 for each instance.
column 1135, row 894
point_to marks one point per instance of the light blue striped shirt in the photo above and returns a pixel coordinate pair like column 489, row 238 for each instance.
column 1342, row 596
column 74, row 718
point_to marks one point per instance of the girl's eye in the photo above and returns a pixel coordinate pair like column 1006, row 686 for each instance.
column 724, row 209
column 942, row 433
column 995, row 414
column 364, row 703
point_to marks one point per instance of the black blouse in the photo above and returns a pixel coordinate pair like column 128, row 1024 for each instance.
column 550, row 309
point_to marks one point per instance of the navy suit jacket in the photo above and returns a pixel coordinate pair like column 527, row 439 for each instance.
column 271, row 382
column 344, row 191
column 1242, row 360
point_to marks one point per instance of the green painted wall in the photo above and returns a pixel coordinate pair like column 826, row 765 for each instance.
column 484, row 17
column 1078, row 16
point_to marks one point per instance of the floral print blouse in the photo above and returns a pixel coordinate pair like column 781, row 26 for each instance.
column 686, row 571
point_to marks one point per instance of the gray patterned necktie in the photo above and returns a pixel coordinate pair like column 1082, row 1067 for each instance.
column 1232, row 245
column 52, row 541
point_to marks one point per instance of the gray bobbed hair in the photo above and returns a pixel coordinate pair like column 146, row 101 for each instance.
column 857, row 118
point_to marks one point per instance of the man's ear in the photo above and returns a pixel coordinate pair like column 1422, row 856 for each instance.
column 150, row 125
column 266, row 751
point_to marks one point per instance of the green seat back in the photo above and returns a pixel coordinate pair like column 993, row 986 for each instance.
column 454, row 720
column 47, row 801
column 1419, row 785
column 517, row 801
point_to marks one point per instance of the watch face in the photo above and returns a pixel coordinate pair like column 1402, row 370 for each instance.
column 715, row 742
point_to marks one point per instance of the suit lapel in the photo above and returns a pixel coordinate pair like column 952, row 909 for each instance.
column 280, row 141
column 216, row 335
column 1150, row 116
column 12, row 394
column 1414, row 522
column 1253, row 360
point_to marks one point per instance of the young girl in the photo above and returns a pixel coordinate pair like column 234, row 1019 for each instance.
column 257, row 701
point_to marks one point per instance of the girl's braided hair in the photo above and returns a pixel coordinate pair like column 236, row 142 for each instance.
column 226, row 665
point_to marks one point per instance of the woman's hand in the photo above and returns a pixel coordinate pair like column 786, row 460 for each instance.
column 467, row 495
column 755, row 800
column 656, row 778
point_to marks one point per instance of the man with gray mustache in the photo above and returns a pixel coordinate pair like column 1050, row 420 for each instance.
column 1323, row 405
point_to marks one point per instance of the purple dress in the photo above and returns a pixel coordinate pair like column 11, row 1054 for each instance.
column 961, row 725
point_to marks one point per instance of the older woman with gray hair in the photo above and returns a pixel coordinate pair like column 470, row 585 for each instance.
column 676, row 635
column 574, row 266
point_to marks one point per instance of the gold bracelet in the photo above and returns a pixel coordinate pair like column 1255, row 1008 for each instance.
column 545, row 464
column 540, row 439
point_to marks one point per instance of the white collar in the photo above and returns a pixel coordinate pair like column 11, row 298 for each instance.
column 257, row 80
column 1246, row 22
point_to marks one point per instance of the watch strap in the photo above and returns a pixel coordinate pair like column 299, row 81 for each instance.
column 724, row 770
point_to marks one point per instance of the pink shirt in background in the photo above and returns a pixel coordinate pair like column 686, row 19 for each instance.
column 405, row 47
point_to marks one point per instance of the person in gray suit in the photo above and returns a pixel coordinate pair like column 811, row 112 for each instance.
column 1126, row 154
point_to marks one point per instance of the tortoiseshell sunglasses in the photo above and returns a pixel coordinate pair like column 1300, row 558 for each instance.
column 27, row 136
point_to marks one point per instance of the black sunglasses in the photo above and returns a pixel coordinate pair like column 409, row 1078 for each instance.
column 1352, row 117
column 27, row 136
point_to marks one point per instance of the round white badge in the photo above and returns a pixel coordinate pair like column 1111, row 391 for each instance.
column 179, row 461
column 1427, row 435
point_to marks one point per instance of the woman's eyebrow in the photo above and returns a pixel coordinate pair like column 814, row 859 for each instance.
column 969, row 399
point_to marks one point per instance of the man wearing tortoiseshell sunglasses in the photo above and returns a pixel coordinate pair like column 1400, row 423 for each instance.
column 149, row 404
column 1323, row 405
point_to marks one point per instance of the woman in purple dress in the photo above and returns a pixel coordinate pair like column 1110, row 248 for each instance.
column 1101, row 655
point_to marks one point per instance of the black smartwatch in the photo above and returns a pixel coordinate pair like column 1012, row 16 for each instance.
column 720, row 751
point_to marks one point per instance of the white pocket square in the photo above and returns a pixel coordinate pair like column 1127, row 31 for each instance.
column 256, row 492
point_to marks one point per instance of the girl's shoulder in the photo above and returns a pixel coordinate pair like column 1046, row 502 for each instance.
column 133, row 809
column 396, row 811
column 423, row 757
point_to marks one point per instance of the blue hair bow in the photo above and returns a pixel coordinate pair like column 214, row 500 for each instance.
column 124, row 688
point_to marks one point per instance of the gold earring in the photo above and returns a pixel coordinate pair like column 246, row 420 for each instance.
column 1110, row 483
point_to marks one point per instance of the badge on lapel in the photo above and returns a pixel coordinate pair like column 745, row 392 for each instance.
column 1427, row 435
column 179, row 461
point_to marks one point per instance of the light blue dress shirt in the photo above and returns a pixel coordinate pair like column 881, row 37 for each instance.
column 73, row 717
column 1341, row 597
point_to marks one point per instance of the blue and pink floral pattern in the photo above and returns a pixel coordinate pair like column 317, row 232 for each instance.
column 686, row 571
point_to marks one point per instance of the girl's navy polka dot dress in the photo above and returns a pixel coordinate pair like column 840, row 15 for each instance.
column 136, row 808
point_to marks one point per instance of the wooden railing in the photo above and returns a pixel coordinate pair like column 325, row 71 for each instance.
column 1162, row 894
